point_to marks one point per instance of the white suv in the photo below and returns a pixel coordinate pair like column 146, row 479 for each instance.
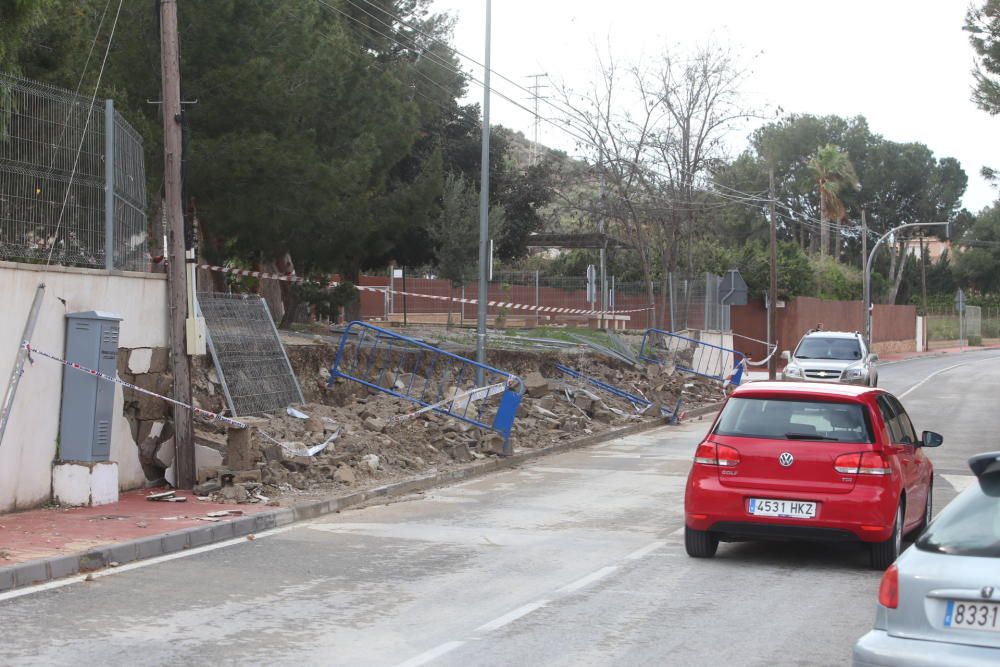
column 831, row 356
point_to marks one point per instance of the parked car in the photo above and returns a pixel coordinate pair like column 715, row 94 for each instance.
column 804, row 461
column 831, row 356
column 939, row 604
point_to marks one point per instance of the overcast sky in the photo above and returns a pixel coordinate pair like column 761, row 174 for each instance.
column 903, row 64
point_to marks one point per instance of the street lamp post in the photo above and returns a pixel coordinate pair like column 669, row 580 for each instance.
column 868, row 272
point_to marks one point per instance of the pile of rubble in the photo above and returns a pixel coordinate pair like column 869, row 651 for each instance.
column 350, row 435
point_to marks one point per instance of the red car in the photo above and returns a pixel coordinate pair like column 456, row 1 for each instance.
column 802, row 461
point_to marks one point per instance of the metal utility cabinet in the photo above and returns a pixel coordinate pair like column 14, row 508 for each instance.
column 88, row 401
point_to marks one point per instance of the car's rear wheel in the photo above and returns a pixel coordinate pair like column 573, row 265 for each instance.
column 883, row 554
column 700, row 543
column 928, row 512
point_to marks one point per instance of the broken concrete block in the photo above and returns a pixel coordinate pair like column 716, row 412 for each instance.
column 540, row 411
column 375, row 424
column 241, row 450
column 584, row 402
column 206, row 457
column 371, row 461
column 346, row 475
column 165, row 453
column 547, row 402
column 207, row 487
column 535, row 385
column 491, row 443
column 604, row 416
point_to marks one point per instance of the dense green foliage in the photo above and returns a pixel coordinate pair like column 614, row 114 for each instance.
column 323, row 131
column 983, row 25
column 334, row 135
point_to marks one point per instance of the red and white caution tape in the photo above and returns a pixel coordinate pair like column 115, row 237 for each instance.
column 433, row 297
column 213, row 416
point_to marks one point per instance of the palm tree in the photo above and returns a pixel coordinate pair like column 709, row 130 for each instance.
column 834, row 172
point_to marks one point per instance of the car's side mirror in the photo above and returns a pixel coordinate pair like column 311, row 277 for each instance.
column 931, row 439
column 786, row 355
column 872, row 358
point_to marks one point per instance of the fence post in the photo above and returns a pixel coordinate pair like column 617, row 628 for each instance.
column 109, row 185
column 537, row 302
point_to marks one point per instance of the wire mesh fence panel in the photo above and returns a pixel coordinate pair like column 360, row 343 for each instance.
column 53, row 179
column 973, row 322
column 254, row 370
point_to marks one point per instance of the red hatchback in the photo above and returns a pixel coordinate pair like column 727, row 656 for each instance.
column 809, row 462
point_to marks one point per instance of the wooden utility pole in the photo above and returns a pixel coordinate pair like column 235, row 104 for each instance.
column 177, row 273
column 772, row 320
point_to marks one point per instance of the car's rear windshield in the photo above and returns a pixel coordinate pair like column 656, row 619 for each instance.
column 833, row 349
column 968, row 526
column 794, row 420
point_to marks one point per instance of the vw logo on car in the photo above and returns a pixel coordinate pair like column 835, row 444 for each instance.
column 786, row 459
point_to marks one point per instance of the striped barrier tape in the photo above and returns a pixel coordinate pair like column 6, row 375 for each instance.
column 468, row 397
column 556, row 310
column 212, row 416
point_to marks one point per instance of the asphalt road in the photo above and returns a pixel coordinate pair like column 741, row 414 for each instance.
column 574, row 560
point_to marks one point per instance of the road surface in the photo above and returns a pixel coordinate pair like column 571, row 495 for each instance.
column 576, row 559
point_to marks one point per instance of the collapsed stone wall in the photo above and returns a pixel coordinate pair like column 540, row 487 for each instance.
column 365, row 433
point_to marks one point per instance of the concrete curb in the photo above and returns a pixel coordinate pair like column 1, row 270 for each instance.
column 48, row 569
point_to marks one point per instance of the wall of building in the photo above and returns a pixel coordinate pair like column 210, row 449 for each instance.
column 30, row 444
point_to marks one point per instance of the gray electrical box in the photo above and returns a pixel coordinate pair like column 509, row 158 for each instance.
column 88, row 401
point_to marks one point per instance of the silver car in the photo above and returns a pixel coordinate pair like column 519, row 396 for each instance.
column 939, row 603
column 831, row 356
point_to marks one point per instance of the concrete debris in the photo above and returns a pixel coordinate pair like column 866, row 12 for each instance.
column 535, row 386
column 348, row 435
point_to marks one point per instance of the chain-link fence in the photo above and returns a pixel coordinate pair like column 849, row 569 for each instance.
column 974, row 324
column 679, row 303
column 59, row 194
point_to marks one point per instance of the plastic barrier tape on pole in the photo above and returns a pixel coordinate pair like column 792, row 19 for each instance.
column 367, row 288
column 83, row 369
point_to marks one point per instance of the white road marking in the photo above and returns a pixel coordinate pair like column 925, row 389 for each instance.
column 959, row 482
column 510, row 617
column 931, row 376
column 646, row 550
column 433, row 654
column 679, row 531
column 59, row 583
column 943, row 370
column 587, row 580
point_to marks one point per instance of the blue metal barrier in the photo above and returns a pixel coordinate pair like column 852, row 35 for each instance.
column 705, row 357
column 415, row 371
column 637, row 401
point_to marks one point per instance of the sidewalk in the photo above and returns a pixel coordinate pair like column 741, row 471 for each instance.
column 50, row 543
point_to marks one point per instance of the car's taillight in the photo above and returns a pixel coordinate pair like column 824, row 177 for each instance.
column 888, row 589
column 847, row 463
column 728, row 456
column 711, row 454
column 862, row 463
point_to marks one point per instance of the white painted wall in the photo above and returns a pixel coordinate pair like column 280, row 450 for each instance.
column 29, row 446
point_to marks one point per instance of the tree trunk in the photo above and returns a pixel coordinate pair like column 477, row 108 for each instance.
column 896, row 269
column 352, row 309
column 824, row 231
